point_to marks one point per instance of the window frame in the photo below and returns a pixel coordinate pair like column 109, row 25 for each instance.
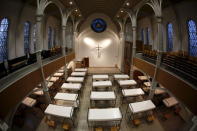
column 7, row 39
column 167, row 36
column 148, row 31
column 27, row 37
column 50, row 39
column 188, row 34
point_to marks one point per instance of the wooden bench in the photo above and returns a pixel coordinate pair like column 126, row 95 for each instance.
column 17, row 63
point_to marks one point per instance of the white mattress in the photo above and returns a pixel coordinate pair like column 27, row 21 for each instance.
column 102, row 83
column 132, row 92
column 159, row 91
column 169, row 102
column 39, row 92
column 127, row 82
column 54, row 79
column 142, row 106
column 30, row 102
column 100, row 95
column 121, row 76
column 71, row 86
column 66, row 96
column 75, row 79
column 81, row 69
column 60, row 71
column 107, row 114
column 78, row 73
column 49, row 84
column 143, row 78
column 100, row 77
column 61, row 111
column 147, row 84
column 58, row 74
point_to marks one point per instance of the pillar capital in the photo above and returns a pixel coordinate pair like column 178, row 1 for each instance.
column 121, row 34
column 39, row 17
column 134, row 28
column 63, row 27
column 3, row 125
column 159, row 19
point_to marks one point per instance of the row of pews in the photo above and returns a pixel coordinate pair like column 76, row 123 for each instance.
column 177, row 60
column 12, row 65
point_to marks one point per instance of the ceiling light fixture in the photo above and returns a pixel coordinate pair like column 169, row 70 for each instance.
column 76, row 10
column 127, row 3
column 70, row 2
column 121, row 11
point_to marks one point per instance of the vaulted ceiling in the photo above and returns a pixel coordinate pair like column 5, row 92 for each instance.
column 108, row 7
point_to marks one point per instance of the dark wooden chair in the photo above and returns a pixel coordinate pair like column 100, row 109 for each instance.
column 32, row 58
column 46, row 54
column 3, row 70
column 17, row 63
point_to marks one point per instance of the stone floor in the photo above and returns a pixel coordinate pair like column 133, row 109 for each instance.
column 104, row 70
column 81, row 118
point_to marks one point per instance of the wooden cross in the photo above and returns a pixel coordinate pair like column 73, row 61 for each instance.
column 98, row 48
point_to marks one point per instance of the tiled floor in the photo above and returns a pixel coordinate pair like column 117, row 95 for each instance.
column 81, row 118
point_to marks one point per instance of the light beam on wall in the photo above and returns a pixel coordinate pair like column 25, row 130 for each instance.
column 98, row 45
column 105, row 43
column 88, row 41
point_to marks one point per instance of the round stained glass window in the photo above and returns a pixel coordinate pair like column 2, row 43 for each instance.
column 98, row 25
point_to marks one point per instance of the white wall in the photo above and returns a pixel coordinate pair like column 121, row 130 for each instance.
column 12, row 10
column 54, row 23
column 24, row 17
column 178, row 15
column 69, row 35
column 18, row 13
column 108, row 40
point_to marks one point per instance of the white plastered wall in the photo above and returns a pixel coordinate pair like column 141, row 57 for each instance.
column 178, row 15
column 18, row 13
column 54, row 23
column 108, row 40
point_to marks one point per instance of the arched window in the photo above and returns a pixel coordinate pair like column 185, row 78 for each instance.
column 192, row 37
column 54, row 37
column 169, row 37
column 50, row 38
column 147, row 36
column 34, row 37
column 27, row 27
column 142, row 35
column 4, row 27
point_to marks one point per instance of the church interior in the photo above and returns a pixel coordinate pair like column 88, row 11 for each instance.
column 98, row 65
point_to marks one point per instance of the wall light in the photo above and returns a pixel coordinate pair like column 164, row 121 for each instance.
column 105, row 43
column 70, row 2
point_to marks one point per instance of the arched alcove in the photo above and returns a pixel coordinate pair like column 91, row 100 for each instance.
column 108, row 43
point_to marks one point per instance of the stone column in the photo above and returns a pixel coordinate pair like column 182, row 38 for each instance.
column 39, row 47
column 75, row 34
column 159, row 55
column 64, row 49
column 133, row 50
column 194, row 126
column 122, row 42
